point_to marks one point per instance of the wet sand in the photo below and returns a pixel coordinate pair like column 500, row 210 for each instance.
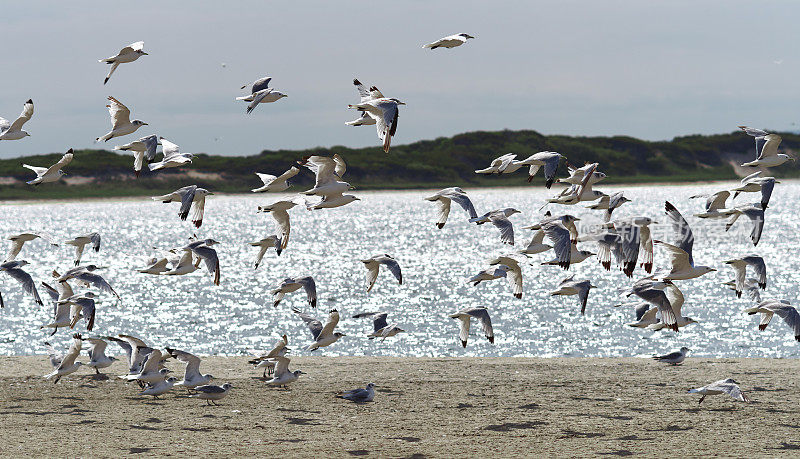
column 423, row 407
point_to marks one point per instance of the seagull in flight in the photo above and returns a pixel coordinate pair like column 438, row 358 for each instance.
column 385, row 112
column 97, row 354
column 739, row 265
column 282, row 375
column 260, row 92
column 547, row 159
column 723, row 386
column 192, row 376
column 366, row 95
column 381, row 328
column 569, row 286
column 505, row 164
column 323, row 335
column 768, row 155
column 191, row 198
column 52, row 173
column 450, row 41
column 275, row 183
column 783, row 309
column 373, row 264
column 65, row 364
column 754, row 212
column 499, row 219
column 265, row 244
column 715, row 204
column 754, row 183
column 291, row 284
column 144, row 151
column 681, row 260
column 127, row 54
column 279, row 212
column 328, row 172
column 80, row 243
column 172, row 156
column 465, row 315
column 444, row 197
column 203, row 251
column 121, row 123
column 86, row 274
column 61, row 311
column 266, row 359
column 18, row 240
column 14, row 269
column 13, row 131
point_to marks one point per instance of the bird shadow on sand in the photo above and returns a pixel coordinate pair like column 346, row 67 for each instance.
column 619, row 452
column 142, row 427
column 97, row 377
column 302, row 421
column 509, row 426
column 634, row 438
column 389, row 391
column 297, row 410
column 67, row 397
column 569, row 433
column 358, row 452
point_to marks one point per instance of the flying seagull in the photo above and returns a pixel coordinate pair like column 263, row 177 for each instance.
column 754, row 212
column 444, row 197
column 513, row 272
column 366, row 95
column 61, row 311
column 739, row 265
column 144, row 151
column 191, row 198
column 266, row 359
column 385, row 113
column 18, row 240
column 547, row 159
column 52, row 173
column 754, row 183
column 715, row 203
column 265, row 244
column 278, row 210
column 191, row 376
column 499, row 218
column 768, row 155
column 569, row 286
column 450, row 41
column 14, row 269
column 291, row 284
column 323, row 335
column 172, row 156
column 86, row 275
column 282, row 375
column 97, row 354
column 121, row 123
column 328, row 172
column 65, row 364
column 681, row 260
column 260, row 93
column 373, row 264
column 465, row 315
column 783, row 309
column 80, row 243
column 273, row 183
column 127, row 54
column 13, row 131
column 723, row 386
column 505, row 164
column 381, row 328
column 203, row 251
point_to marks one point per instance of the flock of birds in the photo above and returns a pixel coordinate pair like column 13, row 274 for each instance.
column 625, row 243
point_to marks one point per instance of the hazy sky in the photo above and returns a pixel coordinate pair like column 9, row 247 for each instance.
column 650, row 69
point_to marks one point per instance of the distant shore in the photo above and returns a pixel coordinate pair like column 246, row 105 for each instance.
column 424, row 407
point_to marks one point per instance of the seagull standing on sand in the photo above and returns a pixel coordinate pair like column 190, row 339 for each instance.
column 783, row 309
column 366, row 95
column 278, row 210
column 266, row 359
column 723, row 386
column 673, row 358
column 569, row 286
column 160, row 387
column 359, row 395
column 65, row 364
column 52, row 173
column 13, row 269
column 97, row 354
column 80, row 243
column 192, row 376
column 681, row 261
column 739, row 265
column 444, row 197
column 323, row 335
column 273, row 183
column 264, row 245
column 450, row 41
column 499, row 219
column 465, row 315
column 211, row 393
column 373, row 264
column 768, row 156
column 13, row 131
column 18, row 240
column 385, row 112
column 191, row 198
column 121, row 123
column 127, row 54
column 172, row 156
column 381, row 328
column 144, row 150
column 291, row 284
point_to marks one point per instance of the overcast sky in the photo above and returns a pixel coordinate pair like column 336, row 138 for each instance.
column 647, row 69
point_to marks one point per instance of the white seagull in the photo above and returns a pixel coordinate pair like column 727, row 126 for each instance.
column 260, row 92
column 192, row 376
column 464, row 317
column 681, row 261
column 127, row 54
column 86, row 275
column 172, row 156
column 65, row 364
column 13, row 269
column 159, row 387
column 723, row 386
column 323, row 335
column 385, row 112
column 366, row 95
column 52, row 173
column 373, row 264
column 121, row 123
column 61, row 311
column 266, row 361
column 499, row 219
column 450, row 41
column 275, row 183
column 754, row 212
column 715, row 203
column 783, row 309
column 768, row 155
column 13, row 131
column 97, row 354
column 278, row 210
column 144, row 150
column 328, row 173
column 18, row 240
column 444, row 197
column 505, row 164
column 291, row 284
column 569, row 286
column 191, row 198
column 80, row 243
column 265, row 244
column 282, row 375
column 754, row 183
column 547, row 159
column 513, row 268
column 211, row 393
column 381, row 328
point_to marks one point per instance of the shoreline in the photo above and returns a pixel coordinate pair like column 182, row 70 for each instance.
column 424, row 407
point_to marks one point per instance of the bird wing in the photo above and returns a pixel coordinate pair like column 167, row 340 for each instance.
column 151, row 144
column 281, row 366
column 72, row 353
column 210, row 259
column 679, row 259
column 756, row 215
column 4, row 125
column 486, row 322
column 151, row 362
column 333, row 320
column 562, row 245
column 66, row 159
column 98, row 281
column 192, row 363
column 393, row 267
column 791, row 317
column 259, row 85
column 463, row 200
column 27, row 282
column 97, row 347
column 685, row 238
column 676, row 299
column 169, row 149
column 646, row 246
column 770, row 147
column 379, row 321
column 341, row 166
column 366, row 94
column 658, row 298
column 717, row 200
column 463, row 332
column 286, row 175
column 27, row 113
column 313, row 324
column 281, row 217
column 766, row 192
column 120, row 114
column 759, row 267
column 87, row 309
column 372, row 272
column 187, row 197
column 311, row 289
column 505, row 226
column 443, row 204
column 324, row 168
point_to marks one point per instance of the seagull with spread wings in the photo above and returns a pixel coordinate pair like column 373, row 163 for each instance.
column 52, row 173
column 682, row 264
column 18, row 240
column 328, row 172
column 144, row 151
column 464, row 317
column 450, row 41
column 715, row 204
column 569, row 286
column 13, row 131
column 64, row 364
column 121, row 123
column 127, row 54
column 14, row 269
column 373, row 264
column 80, row 243
column 172, row 156
column 385, row 112
column 260, row 93
column 191, row 376
column 86, row 275
column 275, row 183
column 191, row 198
column 265, row 244
column 444, row 197
column 279, row 212
column 292, row 284
column 381, row 328
column 767, row 155
column 366, row 94
column 323, row 335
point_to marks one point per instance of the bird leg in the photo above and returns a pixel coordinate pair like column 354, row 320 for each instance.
column 215, row 403
column 96, row 370
column 701, row 399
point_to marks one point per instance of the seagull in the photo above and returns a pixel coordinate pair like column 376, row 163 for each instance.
column 756, row 215
column 135, row 349
column 723, row 386
column 359, row 395
column 282, row 375
column 513, row 268
column 444, row 197
column 191, row 197
column 65, row 364
column 331, row 201
column 273, row 183
column 768, row 156
column 323, row 335
column 143, row 150
column 547, row 159
column 501, row 165
column 566, row 257
column 86, row 275
column 645, row 315
column 783, row 309
column 61, row 311
column 569, row 286
column 291, row 284
column 537, row 244
column 172, row 156
column 97, row 354
column 579, row 192
column 381, row 328
column 278, row 210
column 714, row 204
column 210, row 393
column 652, row 291
column 202, row 249
column 151, row 371
column 80, row 243
column 185, row 264
column 156, row 265
column 577, row 174
column 385, row 112
column 328, row 173
column 450, row 41
column 567, row 221
column 366, row 95
column 676, row 299
column 489, row 274
column 499, row 219
column 264, row 245
column 753, row 183
column 52, row 173
column 13, row 269
column 192, row 376
column 13, row 131
column 160, row 387
column 740, row 266
column 18, row 240
column 127, row 54
column 81, row 305
column 278, row 350
column 464, row 317
column 260, row 92
column 681, row 261
column 673, row 358
column 121, row 123
column 372, row 265
column 609, row 204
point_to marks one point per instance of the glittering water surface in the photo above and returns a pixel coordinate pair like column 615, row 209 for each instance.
column 191, row 313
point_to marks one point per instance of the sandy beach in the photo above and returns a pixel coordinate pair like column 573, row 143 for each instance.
column 423, row 408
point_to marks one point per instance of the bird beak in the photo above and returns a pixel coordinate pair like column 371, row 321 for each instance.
column 144, row 54
column 352, row 187
column 712, row 269
column 358, row 199
column 145, row 124
column 210, row 193
column 577, row 219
